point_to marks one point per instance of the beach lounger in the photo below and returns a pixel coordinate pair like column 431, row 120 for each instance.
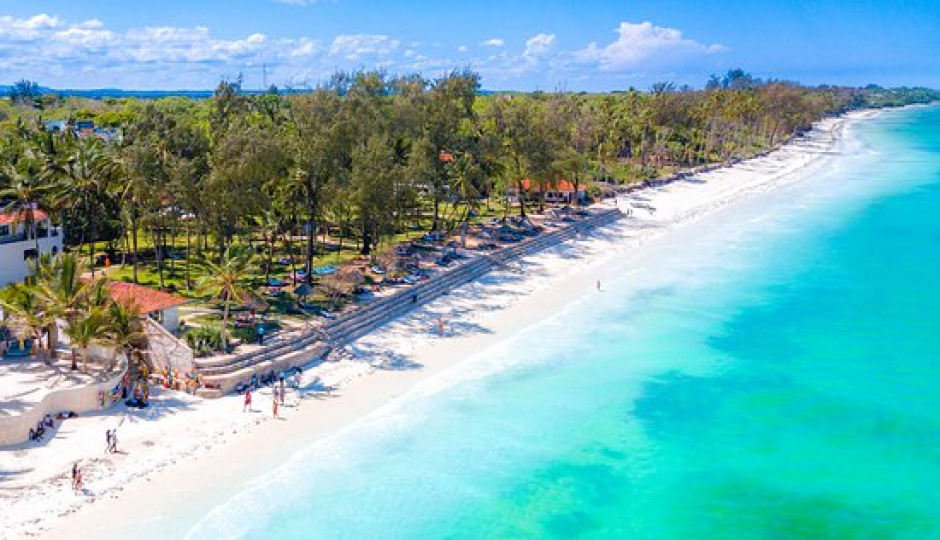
column 326, row 270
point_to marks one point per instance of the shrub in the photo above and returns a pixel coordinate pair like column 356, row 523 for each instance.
column 204, row 340
column 246, row 334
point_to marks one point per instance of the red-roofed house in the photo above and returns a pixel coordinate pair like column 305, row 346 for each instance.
column 18, row 243
column 562, row 192
column 158, row 305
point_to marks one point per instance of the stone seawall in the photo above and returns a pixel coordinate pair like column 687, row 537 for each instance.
column 15, row 429
column 316, row 343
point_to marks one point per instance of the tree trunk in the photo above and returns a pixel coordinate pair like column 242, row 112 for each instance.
column 225, row 325
column 339, row 249
column 127, row 248
column 85, row 359
column 366, row 240
column 189, row 256
column 158, row 252
column 310, row 240
column 74, row 360
column 136, row 252
column 53, row 332
column 173, row 244
column 290, row 254
column 267, row 267
column 521, row 200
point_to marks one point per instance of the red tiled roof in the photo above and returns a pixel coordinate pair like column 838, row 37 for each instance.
column 562, row 186
column 147, row 299
column 7, row 218
column 446, row 156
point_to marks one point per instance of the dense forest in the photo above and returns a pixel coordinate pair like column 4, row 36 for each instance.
column 366, row 157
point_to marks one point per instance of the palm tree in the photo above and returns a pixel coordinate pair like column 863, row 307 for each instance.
column 124, row 331
column 85, row 177
column 25, row 195
column 268, row 225
column 86, row 328
column 21, row 302
column 222, row 282
column 467, row 175
column 62, row 293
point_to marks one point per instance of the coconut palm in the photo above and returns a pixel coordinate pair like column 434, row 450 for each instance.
column 21, row 303
column 124, row 331
column 222, row 281
column 83, row 171
column 63, row 294
column 24, row 196
column 86, row 328
column 268, row 225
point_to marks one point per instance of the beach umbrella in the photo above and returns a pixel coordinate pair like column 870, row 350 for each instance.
column 255, row 302
column 303, row 290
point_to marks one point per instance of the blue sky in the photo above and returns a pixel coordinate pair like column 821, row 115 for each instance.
column 550, row 44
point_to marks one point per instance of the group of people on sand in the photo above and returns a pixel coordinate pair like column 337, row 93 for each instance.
column 278, row 393
column 36, row 434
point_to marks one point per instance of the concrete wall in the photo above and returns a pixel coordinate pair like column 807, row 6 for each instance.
column 15, row 429
column 13, row 267
column 165, row 350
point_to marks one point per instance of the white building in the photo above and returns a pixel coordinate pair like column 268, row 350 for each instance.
column 18, row 244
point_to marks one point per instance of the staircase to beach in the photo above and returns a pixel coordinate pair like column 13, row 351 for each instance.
column 314, row 343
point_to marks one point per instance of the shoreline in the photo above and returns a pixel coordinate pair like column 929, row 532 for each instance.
column 240, row 451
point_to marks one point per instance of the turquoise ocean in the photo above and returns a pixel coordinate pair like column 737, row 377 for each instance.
column 773, row 371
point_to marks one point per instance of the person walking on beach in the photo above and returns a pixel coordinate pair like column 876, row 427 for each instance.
column 76, row 477
column 107, row 441
column 440, row 326
column 247, row 406
column 282, row 390
column 598, row 285
column 113, row 448
column 274, row 403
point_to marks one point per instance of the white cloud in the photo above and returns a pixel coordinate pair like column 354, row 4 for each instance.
column 30, row 29
column 305, row 47
column 641, row 43
column 90, row 54
column 538, row 46
column 355, row 46
column 55, row 51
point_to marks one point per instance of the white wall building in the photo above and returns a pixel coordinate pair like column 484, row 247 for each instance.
column 18, row 244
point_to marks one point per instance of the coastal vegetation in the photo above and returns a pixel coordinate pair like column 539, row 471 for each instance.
column 175, row 187
column 57, row 296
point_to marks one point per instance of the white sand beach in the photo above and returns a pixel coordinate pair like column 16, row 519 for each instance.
column 184, row 456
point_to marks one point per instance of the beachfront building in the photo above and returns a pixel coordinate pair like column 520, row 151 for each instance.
column 83, row 129
column 19, row 241
column 561, row 192
column 160, row 306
